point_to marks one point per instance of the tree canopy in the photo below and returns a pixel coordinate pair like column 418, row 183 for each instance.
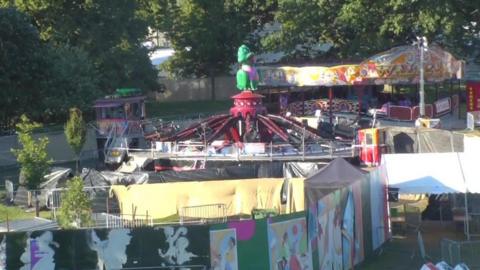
column 359, row 28
column 37, row 78
column 110, row 32
column 58, row 54
column 206, row 34
column 21, row 65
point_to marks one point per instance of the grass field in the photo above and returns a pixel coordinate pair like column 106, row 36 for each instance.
column 16, row 213
column 402, row 252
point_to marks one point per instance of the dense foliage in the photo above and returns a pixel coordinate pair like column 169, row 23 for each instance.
column 359, row 28
column 206, row 34
column 60, row 54
column 56, row 54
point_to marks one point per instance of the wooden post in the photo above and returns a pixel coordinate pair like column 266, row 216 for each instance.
column 37, row 206
column 8, row 223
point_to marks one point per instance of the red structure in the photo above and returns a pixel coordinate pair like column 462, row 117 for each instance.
column 473, row 96
column 247, row 104
column 248, row 121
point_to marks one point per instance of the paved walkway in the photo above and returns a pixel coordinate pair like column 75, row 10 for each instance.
column 449, row 121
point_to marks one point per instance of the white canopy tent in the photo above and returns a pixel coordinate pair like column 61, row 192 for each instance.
column 433, row 173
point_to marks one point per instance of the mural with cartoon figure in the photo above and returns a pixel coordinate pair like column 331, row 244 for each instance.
column 223, row 250
column 330, row 232
column 288, row 245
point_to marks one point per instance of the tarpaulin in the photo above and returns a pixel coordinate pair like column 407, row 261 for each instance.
column 301, row 169
column 239, row 196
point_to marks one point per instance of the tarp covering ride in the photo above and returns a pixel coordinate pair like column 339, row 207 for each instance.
column 240, row 197
column 399, row 65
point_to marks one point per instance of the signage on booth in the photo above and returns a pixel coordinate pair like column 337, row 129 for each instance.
column 442, row 105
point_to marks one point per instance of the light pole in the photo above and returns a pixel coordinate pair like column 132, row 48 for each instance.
column 422, row 44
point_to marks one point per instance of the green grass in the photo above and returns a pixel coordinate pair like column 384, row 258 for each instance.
column 185, row 108
column 17, row 213
column 173, row 218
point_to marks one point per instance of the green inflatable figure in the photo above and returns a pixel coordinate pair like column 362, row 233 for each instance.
column 247, row 76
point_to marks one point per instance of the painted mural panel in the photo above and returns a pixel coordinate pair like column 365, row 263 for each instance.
column 111, row 250
column 348, row 236
column 223, row 250
column 39, row 252
column 378, row 198
column 252, row 248
column 3, row 253
column 330, row 231
column 105, row 249
column 358, row 216
column 288, row 245
column 169, row 246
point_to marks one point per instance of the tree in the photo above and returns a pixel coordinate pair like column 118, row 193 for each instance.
column 206, row 34
column 37, row 78
column 32, row 157
column 75, row 132
column 358, row 28
column 70, row 81
column 75, row 209
column 21, row 66
column 110, row 32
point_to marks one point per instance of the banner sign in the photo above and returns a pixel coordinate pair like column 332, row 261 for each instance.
column 473, row 96
column 442, row 106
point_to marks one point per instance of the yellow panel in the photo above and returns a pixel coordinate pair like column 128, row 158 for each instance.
column 239, row 196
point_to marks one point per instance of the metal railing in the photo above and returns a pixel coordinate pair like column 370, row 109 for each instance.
column 208, row 213
column 173, row 267
column 54, row 196
column 104, row 220
column 249, row 151
column 455, row 252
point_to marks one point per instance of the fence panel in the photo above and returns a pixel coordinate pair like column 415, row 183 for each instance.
column 208, row 213
column 455, row 252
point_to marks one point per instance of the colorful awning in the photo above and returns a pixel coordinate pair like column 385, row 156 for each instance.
column 400, row 65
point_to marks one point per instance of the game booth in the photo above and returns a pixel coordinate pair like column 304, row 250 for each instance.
column 358, row 86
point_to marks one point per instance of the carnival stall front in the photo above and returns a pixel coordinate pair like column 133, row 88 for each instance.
column 397, row 66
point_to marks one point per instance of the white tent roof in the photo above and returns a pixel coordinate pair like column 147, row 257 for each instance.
column 432, row 173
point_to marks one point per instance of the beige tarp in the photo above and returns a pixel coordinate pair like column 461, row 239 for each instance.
column 240, row 196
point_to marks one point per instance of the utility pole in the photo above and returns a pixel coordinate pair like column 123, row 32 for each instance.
column 422, row 44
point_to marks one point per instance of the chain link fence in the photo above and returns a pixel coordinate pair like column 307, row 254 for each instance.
column 456, row 252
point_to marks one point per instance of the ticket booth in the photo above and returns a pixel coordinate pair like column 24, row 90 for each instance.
column 371, row 142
